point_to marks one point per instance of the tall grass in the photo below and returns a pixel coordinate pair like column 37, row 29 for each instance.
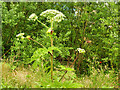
column 22, row 77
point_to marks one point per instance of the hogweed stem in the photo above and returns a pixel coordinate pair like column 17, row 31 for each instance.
column 42, row 24
column 52, row 60
column 52, row 54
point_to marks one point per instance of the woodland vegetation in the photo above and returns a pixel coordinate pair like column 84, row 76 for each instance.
column 72, row 45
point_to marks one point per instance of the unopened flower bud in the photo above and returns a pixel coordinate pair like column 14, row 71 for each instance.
column 28, row 37
column 52, row 32
column 49, row 30
column 88, row 41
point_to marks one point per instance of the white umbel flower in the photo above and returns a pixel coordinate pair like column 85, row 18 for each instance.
column 20, row 35
column 96, row 1
column 33, row 17
column 110, row 26
column 54, row 15
column 59, row 17
column 80, row 50
column 17, row 38
column 76, row 12
column 49, row 12
column 106, row 4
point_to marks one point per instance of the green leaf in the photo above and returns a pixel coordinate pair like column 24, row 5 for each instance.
column 64, row 68
column 39, row 53
column 68, row 33
column 54, row 48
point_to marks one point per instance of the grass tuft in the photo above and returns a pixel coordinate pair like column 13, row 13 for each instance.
column 27, row 78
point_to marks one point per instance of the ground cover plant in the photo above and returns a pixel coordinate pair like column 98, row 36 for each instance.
column 60, row 45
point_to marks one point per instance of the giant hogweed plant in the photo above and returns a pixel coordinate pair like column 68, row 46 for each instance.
column 53, row 16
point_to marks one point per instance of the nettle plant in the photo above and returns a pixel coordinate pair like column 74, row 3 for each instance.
column 41, row 54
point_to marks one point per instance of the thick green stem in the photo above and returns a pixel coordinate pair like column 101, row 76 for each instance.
column 52, row 54
column 52, row 60
column 42, row 23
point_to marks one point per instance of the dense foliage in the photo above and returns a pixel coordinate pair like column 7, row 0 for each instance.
column 88, row 25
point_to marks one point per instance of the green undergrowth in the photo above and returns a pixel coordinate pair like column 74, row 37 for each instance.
column 21, row 77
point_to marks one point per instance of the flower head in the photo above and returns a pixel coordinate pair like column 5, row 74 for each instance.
column 76, row 12
column 54, row 15
column 17, row 38
column 80, row 50
column 106, row 4
column 59, row 17
column 33, row 17
column 110, row 26
column 20, row 35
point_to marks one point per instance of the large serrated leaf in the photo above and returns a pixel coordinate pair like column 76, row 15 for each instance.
column 39, row 53
column 54, row 48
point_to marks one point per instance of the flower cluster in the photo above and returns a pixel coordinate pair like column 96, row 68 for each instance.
column 54, row 15
column 106, row 4
column 80, row 50
column 20, row 35
column 33, row 17
column 58, row 18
